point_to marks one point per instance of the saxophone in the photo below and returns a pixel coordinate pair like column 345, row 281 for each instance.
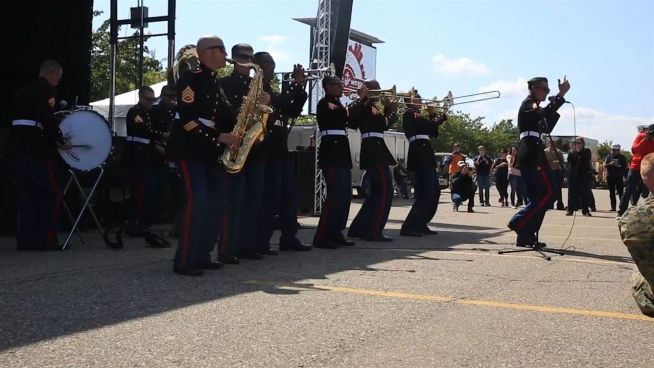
column 250, row 123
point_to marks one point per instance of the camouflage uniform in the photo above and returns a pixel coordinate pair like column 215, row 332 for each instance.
column 637, row 233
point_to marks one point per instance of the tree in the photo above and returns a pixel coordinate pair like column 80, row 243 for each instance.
column 127, row 60
column 604, row 149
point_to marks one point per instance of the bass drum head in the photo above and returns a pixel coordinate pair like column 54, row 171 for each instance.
column 89, row 134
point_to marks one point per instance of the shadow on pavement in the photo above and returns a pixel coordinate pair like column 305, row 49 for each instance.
column 44, row 295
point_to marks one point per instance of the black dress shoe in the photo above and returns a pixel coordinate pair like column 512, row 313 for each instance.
column 327, row 244
column 210, row 266
column 380, row 238
column 410, row 233
column 428, row 231
column 188, row 271
column 344, row 242
column 250, row 255
column 354, row 235
column 296, row 245
column 229, row 260
column 268, row 252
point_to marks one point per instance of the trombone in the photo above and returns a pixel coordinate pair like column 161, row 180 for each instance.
column 450, row 100
column 310, row 74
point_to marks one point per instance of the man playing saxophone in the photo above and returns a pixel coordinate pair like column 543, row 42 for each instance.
column 280, row 191
column 244, row 189
column 200, row 133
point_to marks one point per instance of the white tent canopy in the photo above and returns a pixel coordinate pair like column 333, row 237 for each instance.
column 122, row 103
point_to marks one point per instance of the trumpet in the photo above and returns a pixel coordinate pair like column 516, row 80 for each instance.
column 310, row 74
column 376, row 93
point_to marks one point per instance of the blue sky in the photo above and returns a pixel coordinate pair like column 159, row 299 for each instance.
column 606, row 48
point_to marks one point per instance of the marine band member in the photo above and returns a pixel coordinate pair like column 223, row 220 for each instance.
column 419, row 127
column 280, row 193
column 533, row 121
column 334, row 159
column 373, row 117
column 34, row 139
column 200, row 138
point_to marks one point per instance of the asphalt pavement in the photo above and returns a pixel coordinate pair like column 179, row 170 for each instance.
column 447, row 300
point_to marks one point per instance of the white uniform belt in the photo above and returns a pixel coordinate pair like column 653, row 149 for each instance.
column 25, row 122
column 138, row 139
column 332, row 132
column 207, row 122
column 529, row 134
column 419, row 136
column 278, row 123
column 372, row 135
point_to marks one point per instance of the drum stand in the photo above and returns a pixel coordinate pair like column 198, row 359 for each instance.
column 87, row 199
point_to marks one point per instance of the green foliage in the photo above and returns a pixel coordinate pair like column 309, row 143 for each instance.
column 305, row 120
column 225, row 71
column 127, row 61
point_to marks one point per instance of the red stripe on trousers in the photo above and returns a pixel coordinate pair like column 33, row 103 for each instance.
column 377, row 229
column 53, row 185
column 224, row 222
column 322, row 224
column 542, row 202
column 187, row 214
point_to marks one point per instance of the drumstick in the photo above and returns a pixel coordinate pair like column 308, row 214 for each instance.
column 87, row 146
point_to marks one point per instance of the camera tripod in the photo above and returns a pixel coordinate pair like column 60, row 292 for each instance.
column 538, row 247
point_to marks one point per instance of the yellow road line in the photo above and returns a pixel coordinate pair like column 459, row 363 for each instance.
column 448, row 299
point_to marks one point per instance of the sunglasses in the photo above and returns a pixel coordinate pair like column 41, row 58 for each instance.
column 219, row 47
column 149, row 98
column 170, row 95
column 546, row 89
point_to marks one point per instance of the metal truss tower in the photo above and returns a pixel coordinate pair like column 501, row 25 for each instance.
column 320, row 58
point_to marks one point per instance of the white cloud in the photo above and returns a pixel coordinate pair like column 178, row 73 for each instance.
column 600, row 125
column 510, row 89
column 280, row 56
column 273, row 38
column 464, row 65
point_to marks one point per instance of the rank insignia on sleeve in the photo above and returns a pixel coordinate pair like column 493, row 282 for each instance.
column 51, row 102
column 188, row 95
column 138, row 119
column 190, row 125
column 332, row 106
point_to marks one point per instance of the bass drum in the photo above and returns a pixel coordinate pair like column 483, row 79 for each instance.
column 90, row 136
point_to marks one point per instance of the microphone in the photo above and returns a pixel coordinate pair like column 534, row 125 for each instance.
column 552, row 98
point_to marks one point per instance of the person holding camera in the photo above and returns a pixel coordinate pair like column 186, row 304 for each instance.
column 615, row 167
column 463, row 187
column 483, row 165
column 643, row 145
